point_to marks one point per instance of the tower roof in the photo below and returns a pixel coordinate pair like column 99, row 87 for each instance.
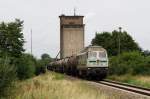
column 70, row 16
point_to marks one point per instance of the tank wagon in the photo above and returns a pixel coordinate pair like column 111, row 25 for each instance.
column 92, row 61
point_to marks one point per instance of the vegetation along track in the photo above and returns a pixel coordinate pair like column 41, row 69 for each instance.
column 127, row 87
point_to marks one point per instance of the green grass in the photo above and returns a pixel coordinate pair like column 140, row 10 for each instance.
column 139, row 80
column 57, row 86
column 58, row 76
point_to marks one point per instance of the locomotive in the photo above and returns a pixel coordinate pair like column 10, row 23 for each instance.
column 92, row 61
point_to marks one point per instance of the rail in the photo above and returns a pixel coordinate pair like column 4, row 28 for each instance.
column 128, row 87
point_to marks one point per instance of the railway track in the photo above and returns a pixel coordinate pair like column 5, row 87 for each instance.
column 127, row 87
column 119, row 85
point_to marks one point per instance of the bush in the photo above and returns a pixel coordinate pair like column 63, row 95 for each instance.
column 26, row 66
column 40, row 67
column 42, row 63
column 130, row 63
column 143, row 68
column 7, row 78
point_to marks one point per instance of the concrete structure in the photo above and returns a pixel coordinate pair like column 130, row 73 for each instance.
column 71, row 35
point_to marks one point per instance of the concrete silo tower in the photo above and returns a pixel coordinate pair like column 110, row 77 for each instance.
column 71, row 35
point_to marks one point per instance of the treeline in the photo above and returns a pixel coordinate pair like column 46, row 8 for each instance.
column 125, row 55
column 14, row 63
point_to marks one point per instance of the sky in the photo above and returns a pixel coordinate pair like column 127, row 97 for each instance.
column 42, row 16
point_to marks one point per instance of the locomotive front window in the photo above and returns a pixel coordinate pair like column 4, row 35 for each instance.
column 102, row 54
column 92, row 54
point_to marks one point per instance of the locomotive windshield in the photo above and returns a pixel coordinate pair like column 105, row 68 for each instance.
column 95, row 54
column 102, row 54
column 92, row 54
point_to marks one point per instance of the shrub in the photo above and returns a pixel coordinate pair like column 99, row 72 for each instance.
column 42, row 63
column 143, row 68
column 26, row 66
column 40, row 67
column 130, row 63
column 7, row 78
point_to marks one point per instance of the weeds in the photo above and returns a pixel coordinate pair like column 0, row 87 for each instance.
column 55, row 86
column 138, row 80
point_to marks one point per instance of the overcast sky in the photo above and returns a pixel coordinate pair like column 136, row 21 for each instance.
column 100, row 15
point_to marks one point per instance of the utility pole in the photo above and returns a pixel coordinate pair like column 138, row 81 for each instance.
column 31, row 41
column 119, row 43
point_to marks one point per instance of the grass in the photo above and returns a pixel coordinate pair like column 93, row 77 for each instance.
column 56, row 86
column 139, row 80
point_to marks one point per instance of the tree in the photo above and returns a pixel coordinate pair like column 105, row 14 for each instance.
column 45, row 56
column 103, row 39
column 11, row 38
column 146, row 53
column 109, row 40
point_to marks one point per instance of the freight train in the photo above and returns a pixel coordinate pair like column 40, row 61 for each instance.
column 91, row 62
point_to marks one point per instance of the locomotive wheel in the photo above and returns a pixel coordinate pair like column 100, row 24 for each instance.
column 63, row 69
column 73, row 71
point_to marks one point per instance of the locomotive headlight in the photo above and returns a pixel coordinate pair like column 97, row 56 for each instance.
column 89, row 68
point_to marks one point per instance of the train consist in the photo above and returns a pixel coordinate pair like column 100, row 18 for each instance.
column 92, row 61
